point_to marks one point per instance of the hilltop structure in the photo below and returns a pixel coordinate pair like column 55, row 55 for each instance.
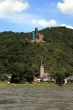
column 35, row 36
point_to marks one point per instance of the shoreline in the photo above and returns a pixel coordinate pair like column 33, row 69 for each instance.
column 37, row 84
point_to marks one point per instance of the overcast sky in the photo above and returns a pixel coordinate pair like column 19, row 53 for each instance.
column 25, row 15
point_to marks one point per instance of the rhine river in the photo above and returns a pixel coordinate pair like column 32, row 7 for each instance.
column 36, row 98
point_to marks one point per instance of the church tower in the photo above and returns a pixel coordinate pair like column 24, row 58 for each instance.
column 41, row 71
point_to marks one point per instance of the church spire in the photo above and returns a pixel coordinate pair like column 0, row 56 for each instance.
column 41, row 70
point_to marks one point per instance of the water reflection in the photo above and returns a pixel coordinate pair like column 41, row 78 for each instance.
column 36, row 98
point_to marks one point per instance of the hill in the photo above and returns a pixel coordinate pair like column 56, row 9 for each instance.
column 17, row 53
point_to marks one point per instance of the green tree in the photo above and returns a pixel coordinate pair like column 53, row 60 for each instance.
column 22, row 73
column 59, row 77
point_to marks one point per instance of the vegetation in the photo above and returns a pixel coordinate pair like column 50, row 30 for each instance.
column 21, row 58
column 59, row 77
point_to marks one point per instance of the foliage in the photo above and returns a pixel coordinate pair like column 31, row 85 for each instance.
column 59, row 77
column 18, row 54
column 22, row 74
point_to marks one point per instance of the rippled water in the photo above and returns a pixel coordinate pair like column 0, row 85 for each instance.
column 36, row 98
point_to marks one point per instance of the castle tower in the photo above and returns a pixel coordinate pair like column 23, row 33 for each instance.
column 36, row 30
column 41, row 71
column 40, row 37
column 33, row 36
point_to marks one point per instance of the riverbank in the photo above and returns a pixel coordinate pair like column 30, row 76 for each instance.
column 37, row 84
column 27, row 84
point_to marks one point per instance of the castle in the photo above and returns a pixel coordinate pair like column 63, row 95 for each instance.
column 35, row 36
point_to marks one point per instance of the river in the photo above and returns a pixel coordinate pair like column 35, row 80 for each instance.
column 36, row 98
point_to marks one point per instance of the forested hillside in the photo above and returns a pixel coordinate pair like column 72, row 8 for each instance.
column 19, row 57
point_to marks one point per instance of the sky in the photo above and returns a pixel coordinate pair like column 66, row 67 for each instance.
column 25, row 15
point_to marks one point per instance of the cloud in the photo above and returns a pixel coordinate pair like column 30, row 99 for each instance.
column 67, row 26
column 44, row 23
column 66, row 6
column 51, row 23
column 12, row 7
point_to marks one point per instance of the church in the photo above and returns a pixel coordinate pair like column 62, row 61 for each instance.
column 42, row 75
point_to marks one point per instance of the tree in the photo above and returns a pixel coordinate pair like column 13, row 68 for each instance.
column 59, row 77
column 29, row 75
column 23, row 74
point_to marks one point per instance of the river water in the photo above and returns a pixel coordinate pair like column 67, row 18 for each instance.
column 36, row 98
